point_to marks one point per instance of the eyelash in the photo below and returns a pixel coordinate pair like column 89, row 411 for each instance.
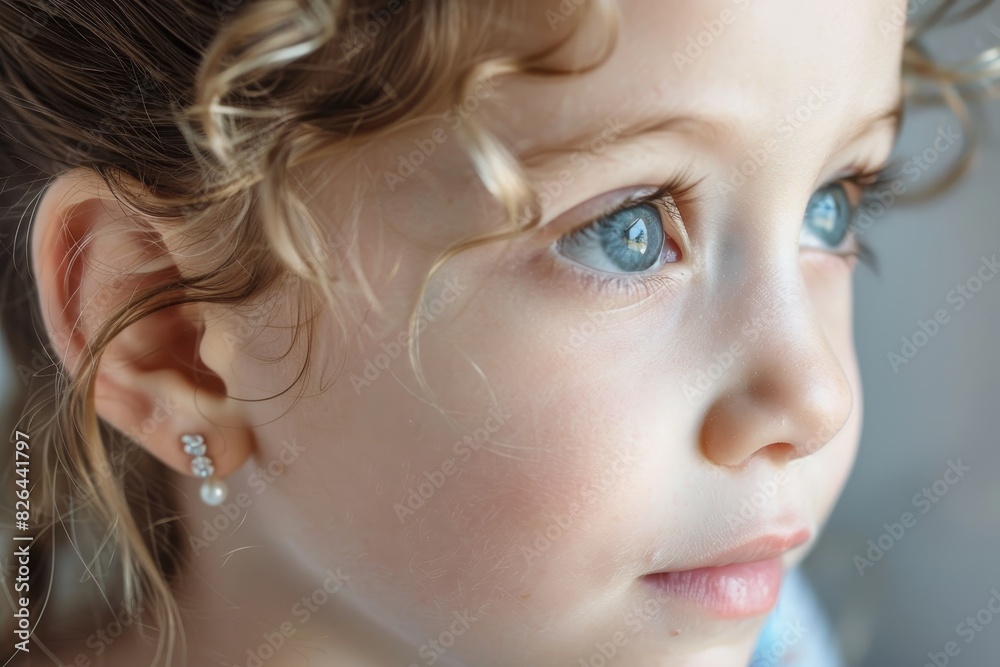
column 667, row 199
column 636, row 286
column 870, row 182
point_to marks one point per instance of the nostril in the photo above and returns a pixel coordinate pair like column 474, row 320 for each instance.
column 782, row 451
column 777, row 452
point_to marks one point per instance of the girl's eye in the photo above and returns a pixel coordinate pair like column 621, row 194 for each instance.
column 629, row 240
column 827, row 221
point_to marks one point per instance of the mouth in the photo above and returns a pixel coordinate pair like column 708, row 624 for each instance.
column 736, row 583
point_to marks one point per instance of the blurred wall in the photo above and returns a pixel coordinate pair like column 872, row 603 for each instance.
column 940, row 407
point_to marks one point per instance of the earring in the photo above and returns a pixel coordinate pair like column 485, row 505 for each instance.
column 213, row 490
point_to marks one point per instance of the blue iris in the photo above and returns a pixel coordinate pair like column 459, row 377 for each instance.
column 627, row 241
column 828, row 215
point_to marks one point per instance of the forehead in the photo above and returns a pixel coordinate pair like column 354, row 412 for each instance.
column 730, row 69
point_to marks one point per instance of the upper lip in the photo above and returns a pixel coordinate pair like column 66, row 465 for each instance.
column 757, row 548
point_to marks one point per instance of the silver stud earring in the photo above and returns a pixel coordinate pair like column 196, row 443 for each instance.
column 213, row 490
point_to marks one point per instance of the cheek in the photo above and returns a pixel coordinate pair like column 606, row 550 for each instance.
column 563, row 489
column 532, row 508
column 497, row 480
column 515, row 475
column 828, row 280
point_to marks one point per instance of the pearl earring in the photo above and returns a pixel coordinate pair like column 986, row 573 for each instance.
column 213, row 490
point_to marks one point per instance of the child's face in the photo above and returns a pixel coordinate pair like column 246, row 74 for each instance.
column 593, row 425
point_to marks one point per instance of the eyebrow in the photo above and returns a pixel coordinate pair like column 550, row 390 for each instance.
column 646, row 123
column 892, row 117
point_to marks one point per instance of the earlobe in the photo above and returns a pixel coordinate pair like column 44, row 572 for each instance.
column 91, row 257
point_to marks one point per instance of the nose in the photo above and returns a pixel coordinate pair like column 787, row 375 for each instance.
column 786, row 395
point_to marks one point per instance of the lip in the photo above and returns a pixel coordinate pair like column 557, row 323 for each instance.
column 760, row 548
column 738, row 582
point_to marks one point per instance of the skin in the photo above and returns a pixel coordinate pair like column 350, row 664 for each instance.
column 601, row 443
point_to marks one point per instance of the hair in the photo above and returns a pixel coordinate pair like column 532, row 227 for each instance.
column 195, row 115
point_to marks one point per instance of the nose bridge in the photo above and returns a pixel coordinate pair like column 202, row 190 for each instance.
column 757, row 282
column 778, row 383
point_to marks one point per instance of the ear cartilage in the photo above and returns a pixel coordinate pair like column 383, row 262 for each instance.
column 213, row 489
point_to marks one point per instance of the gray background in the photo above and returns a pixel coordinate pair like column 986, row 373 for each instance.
column 943, row 405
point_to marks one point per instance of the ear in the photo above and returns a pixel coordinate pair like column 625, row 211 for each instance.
column 90, row 256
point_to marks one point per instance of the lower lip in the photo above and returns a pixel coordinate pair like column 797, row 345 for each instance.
column 730, row 591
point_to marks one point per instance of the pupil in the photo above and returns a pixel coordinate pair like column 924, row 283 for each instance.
column 826, row 213
column 636, row 237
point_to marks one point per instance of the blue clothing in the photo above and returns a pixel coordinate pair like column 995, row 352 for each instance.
column 797, row 633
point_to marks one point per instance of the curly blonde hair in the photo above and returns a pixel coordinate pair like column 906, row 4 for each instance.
column 196, row 115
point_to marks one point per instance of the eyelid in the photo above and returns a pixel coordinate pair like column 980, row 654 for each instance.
column 666, row 211
column 663, row 203
column 631, row 200
column 666, row 197
column 865, row 179
column 632, row 197
column 860, row 183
